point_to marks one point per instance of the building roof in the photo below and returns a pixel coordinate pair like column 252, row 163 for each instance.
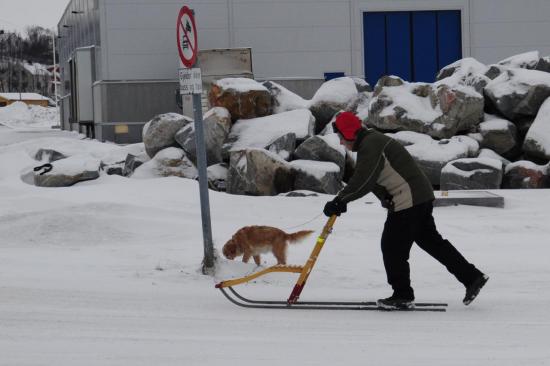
column 22, row 96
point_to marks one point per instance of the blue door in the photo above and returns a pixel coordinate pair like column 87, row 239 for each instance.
column 413, row 45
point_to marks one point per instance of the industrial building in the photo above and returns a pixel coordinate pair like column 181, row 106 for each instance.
column 119, row 59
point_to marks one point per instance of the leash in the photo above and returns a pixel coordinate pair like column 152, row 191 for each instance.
column 302, row 224
column 47, row 168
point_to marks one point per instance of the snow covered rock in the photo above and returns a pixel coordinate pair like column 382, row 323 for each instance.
column 258, row 172
column 283, row 100
column 432, row 155
column 518, row 93
column 216, row 126
column 488, row 153
column 48, row 155
column 467, row 72
column 244, row 98
column 159, row 133
column 169, row 162
column 69, row 171
column 527, row 60
column 334, row 95
column 544, row 64
column 472, row 173
column 526, row 174
column 359, row 105
column 317, row 176
column 537, row 140
column 217, row 176
column 269, row 132
column 132, row 162
column 499, row 135
column 437, row 110
column 323, row 148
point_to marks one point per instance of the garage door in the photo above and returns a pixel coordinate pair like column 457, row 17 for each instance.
column 413, row 45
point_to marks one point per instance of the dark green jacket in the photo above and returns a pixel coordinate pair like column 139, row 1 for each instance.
column 386, row 168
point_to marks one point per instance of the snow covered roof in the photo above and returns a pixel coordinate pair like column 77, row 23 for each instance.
column 22, row 96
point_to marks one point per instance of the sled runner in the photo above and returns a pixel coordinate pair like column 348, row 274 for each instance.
column 304, row 271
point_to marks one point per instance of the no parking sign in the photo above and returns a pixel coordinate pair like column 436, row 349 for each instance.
column 187, row 37
column 191, row 83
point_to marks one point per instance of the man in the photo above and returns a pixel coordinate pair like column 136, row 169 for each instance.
column 386, row 168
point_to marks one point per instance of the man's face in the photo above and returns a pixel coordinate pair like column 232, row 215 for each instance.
column 347, row 144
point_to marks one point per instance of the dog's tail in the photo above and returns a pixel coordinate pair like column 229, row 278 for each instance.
column 299, row 235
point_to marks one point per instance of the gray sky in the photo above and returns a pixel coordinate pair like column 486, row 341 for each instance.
column 18, row 14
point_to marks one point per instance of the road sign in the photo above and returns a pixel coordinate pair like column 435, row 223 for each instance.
column 190, row 81
column 187, row 37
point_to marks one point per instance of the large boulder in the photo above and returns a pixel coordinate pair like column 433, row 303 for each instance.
column 217, row 176
column 518, row 93
column 528, row 60
column 537, row 140
column 466, row 72
column 334, row 95
column 271, row 133
column 170, row 162
column 68, row 171
column 284, row 100
column 258, row 172
column 216, row 127
column 499, row 135
column 159, row 133
column 244, row 98
column 436, row 110
column 472, row 173
column 323, row 148
column 432, row 155
column 317, row 176
column 526, row 174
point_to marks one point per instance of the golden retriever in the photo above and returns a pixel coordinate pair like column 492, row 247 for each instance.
column 251, row 241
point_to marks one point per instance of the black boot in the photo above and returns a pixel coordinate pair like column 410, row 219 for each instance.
column 396, row 302
column 473, row 289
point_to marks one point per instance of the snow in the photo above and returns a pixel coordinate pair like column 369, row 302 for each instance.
column 419, row 108
column 317, row 169
column 74, row 165
column 288, row 100
column 493, row 163
column 425, row 148
column 517, row 81
column 23, row 96
column 540, row 129
column 338, row 90
column 522, row 60
column 333, row 141
column 107, row 272
column 240, row 84
column 21, row 116
column 262, row 131
column 36, row 69
column 527, row 165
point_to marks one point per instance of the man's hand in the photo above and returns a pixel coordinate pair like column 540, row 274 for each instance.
column 335, row 207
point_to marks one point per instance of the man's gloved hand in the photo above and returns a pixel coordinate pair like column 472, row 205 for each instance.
column 335, row 207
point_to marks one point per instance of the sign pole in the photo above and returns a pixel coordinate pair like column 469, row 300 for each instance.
column 191, row 83
column 208, row 261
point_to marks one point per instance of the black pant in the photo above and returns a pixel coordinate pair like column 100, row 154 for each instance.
column 417, row 224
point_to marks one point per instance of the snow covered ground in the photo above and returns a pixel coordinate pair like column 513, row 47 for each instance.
column 107, row 272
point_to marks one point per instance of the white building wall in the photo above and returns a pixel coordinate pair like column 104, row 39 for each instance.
column 300, row 38
column 502, row 28
column 140, row 36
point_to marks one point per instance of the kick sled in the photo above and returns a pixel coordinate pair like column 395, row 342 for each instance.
column 226, row 287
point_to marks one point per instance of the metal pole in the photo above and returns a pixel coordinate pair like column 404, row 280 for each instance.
column 208, row 261
column 54, row 71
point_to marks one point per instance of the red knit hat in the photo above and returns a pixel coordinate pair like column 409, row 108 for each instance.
column 347, row 124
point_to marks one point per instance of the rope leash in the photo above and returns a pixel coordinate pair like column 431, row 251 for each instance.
column 307, row 222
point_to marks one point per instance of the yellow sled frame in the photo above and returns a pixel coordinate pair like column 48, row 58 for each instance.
column 304, row 270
